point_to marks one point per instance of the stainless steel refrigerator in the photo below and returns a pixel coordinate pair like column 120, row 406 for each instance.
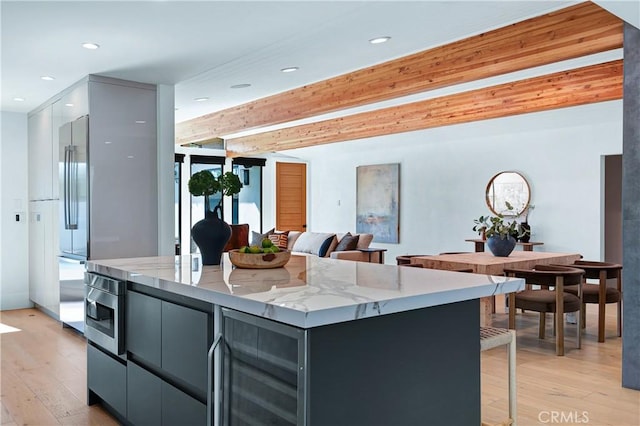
column 108, row 201
column 72, row 214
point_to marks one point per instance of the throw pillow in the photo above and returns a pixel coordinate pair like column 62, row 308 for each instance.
column 280, row 239
column 327, row 246
column 348, row 242
column 314, row 243
column 256, row 237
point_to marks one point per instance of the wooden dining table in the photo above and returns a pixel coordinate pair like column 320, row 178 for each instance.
column 487, row 263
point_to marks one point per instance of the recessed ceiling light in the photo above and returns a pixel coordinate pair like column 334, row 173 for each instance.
column 47, row 78
column 379, row 40
column 140, row 121
column 18, row 99
column 240, row 86
column 68, row 105
column 201, row 99
column 290, row 69
column 90, row 46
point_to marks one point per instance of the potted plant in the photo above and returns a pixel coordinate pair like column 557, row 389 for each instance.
column 212, row 233
column 501, row 235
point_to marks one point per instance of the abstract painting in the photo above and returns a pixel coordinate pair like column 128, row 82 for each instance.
column 378, row 202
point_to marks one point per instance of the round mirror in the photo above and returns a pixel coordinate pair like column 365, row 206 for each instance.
column 508, row 189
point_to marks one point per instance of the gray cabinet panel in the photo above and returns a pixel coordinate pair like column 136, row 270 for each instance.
column 107, row 378
column 388, row 370
column 185, row 344
column 143, row 327
column 144, row 396
column 125, row 170
column 179, row 409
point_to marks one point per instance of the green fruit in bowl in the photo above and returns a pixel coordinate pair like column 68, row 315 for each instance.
column 255, row 249
column 267, row 243
column 275, row 249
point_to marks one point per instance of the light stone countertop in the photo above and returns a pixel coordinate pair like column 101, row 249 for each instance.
column 309, row 291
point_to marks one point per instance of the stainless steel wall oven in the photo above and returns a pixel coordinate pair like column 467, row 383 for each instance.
column 104, row 312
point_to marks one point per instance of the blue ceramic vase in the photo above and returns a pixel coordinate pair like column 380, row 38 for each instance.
column 211, row 234
column 501, row 247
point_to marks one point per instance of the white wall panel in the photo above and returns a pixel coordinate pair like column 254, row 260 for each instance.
column 444, row 172
column 14, row 236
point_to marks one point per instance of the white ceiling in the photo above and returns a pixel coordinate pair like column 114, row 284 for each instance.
column 204, row 47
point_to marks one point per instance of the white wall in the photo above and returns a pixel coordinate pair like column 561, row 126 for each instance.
column 444, row 173
column 14, row 236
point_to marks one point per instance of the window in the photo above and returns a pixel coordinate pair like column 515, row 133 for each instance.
column 216, row 166
column 247, row 204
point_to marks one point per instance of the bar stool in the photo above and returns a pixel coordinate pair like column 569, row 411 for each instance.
column 600, row 293
column 492, row 337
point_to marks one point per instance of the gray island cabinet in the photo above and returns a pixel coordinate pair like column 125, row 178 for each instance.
column 318, row 342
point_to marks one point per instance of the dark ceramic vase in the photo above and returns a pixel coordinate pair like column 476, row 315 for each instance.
column 527, row 229
column 501, row 247
column 211, row 234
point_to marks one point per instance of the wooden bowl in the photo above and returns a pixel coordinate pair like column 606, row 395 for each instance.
column 259, row 260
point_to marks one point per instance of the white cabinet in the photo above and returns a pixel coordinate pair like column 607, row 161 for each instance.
column 43, row 265
column 43, row 205
column 41, row 152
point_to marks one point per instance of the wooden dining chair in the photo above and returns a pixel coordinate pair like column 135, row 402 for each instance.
column 544, row 299
column 406, row 258
column 600, row 293
column 413, row 265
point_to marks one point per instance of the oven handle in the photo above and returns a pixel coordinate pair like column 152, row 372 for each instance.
column 99, row 297
column 212, row 349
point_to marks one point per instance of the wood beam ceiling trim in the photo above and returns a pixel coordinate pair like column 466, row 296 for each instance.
column 572, row 32
column 595, row 83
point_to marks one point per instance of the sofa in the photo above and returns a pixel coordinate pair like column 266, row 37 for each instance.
column 343, row 246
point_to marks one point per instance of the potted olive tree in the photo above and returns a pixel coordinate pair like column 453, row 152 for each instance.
column 211, row 234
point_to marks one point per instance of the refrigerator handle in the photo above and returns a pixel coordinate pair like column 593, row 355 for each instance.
column 73, row 192
column 65, row 187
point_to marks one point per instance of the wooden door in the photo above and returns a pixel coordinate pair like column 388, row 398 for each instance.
column 291, row 196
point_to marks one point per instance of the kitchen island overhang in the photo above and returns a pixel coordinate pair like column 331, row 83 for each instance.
column 309, row 291
column 333, row 342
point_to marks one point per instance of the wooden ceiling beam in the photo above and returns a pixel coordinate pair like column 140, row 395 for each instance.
column 595, row 83
column 572, row 32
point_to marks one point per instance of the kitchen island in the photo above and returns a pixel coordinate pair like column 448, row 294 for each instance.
column 318, row 342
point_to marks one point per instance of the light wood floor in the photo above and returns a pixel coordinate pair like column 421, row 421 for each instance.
column 43, row 377
column 584, row 386
column 44, row 373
